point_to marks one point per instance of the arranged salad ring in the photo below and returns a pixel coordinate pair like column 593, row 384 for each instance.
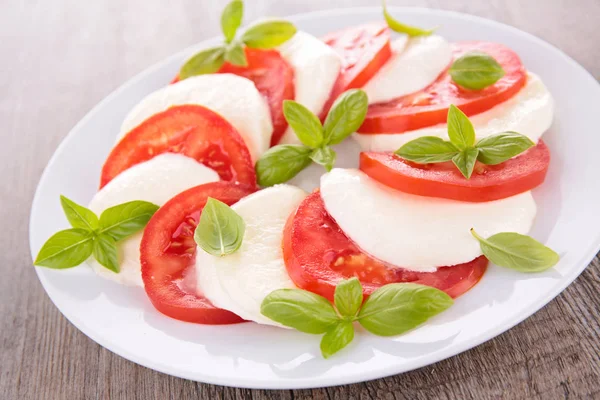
column 194, row 206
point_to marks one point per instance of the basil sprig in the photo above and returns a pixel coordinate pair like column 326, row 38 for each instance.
column 283, row 162
column 476, row 70
column 462, row 149
column 391, row 310
column 220, row 230
column 91, row 235
column 516, row 251
column 264, row 35
column 399, row 27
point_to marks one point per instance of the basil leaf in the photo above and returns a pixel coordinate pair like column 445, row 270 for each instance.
column 235, row 55
column 427, row 149
column 460, row 129
column 299, row 309
column 348, row 297
column 65, row 249
column 346, row 115
column 516, row 251
column 205, row 62
column 281, row 163
column 337, row 338
column 126, row 219
column 399, row 307
column 79, row 216
column 105, row 252
column 476, row 71
column 220, row 230
column 496, row 149
column 268, row 34
column 305, row 124
column 231, row 19
column 465, row 161
column 399, row 27
column 324, row 156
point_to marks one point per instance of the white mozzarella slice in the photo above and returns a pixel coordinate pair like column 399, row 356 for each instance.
column 157, row 181
column 415, row 64
column 240, row 281
column 233, row 97
column 530, row 113
column 316, row 68
column 415, row 232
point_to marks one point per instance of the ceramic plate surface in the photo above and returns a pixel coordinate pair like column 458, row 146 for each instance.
column 248, row 355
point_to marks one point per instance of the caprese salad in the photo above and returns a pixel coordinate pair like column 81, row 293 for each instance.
column 194, row 204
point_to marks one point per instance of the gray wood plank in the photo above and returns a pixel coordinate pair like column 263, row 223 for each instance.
column 58, row 59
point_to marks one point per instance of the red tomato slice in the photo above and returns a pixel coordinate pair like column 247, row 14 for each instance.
column 192, row 130
column 488, row 182
column 318, row 255
column 168, row 249
column 364, row 49
column 274, row 79
column 430, row 106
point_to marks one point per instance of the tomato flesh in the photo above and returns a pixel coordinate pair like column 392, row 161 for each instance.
column 430, row 106
column 168, row 250
column 364, row 50
column 488, row 182
column 318, row 255
column 191, row 130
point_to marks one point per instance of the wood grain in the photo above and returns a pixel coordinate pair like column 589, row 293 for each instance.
column 60, row 58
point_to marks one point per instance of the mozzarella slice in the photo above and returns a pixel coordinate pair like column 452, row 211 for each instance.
column 233, row 97
column 316, row 68
column 240, row 281
column 415, row 232
column 530, row 113
column 157, row 181
column 416, row 63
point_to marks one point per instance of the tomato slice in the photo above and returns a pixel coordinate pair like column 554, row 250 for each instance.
column 192, row 130
column 430, row 106
column 274, row 79
column 363, row 49
column 488, row 182
column 318, row 255
column 168, row 250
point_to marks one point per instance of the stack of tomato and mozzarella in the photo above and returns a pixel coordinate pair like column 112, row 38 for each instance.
column 390, row 221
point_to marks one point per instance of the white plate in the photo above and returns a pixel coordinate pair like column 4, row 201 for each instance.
column 248, row 355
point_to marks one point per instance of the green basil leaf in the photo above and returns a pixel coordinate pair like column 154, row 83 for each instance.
column 65, row 249
column 281, row 163
column 516, row 251
column 346, row 115
column 460, row 129
column 496, row 149
column 220, row 230
column 305, row 124
column 427, row 149
column 235, row 55
column 399, row 27
column 348, row 297
column 79, row 216
column 465, row 161
column 476, row 71
column 126, row 219
column 336, row 338
column 299, row 309
column 268, row 34
column 324, row 156
column 105, row 252
column 205, row 62
column 231, row 19
column 399, row 307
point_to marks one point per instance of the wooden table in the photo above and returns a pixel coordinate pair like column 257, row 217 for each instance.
column 59, row 58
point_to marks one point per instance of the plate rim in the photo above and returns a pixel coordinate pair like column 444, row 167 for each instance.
column 349, row 378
